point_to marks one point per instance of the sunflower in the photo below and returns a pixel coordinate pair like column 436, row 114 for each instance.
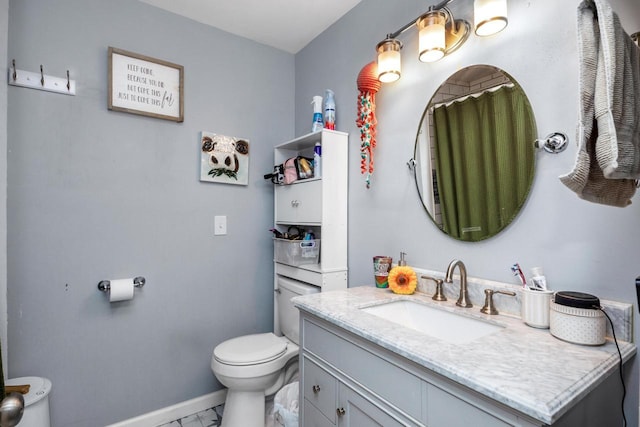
column 403, row 280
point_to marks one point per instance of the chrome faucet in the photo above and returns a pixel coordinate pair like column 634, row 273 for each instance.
column 463, row 299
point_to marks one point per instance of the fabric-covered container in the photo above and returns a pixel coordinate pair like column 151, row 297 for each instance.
column 575, row 317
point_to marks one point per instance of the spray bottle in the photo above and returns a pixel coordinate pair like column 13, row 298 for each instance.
column 329, row 110
column 317, row 114
column 317, row 160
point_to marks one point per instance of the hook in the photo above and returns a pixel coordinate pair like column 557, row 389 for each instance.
column 411, row 164
column 68, row 81
column 41, row 76
column 15, row 75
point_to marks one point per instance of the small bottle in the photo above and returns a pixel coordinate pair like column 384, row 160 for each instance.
column 317, row 160
column 329, row 110
column 402, row 261
column 537, row 279
column 318, row 124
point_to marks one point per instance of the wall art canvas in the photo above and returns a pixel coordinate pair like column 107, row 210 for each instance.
column 224, row 159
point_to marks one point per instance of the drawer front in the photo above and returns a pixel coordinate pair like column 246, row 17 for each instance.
column 319, row 388
column 313, row 417
column 297, row 273
column 392, row 383
column 299, row 203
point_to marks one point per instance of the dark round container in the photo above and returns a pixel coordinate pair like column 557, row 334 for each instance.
column 577, row 300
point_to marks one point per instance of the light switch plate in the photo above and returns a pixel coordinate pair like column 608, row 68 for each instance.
column 220, row 225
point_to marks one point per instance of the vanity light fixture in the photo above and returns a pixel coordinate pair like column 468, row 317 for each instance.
column 389, row 61
column 490, row 16
column 439, row 34
column 431, row 35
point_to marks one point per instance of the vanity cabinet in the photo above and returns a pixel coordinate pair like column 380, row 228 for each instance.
column 348, row 381
column 318, row 204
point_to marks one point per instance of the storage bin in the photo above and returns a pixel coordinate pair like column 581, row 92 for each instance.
column 575, row 317
column 296, row 252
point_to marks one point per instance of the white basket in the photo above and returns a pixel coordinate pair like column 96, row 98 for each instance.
column 296, row 252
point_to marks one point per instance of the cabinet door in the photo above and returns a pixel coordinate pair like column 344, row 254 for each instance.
column 356, row 411
column 446, row 410
column 319, row 388
column 299, row 203
column 313, row 417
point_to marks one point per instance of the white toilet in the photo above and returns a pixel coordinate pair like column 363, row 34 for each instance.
column 255, row 366
column 36, row 401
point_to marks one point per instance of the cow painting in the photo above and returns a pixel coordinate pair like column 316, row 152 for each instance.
column 224, row 159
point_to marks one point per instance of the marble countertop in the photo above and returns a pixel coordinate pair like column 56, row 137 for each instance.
column 522, row 367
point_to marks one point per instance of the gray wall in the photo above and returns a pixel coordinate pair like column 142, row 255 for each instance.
column 95, row 194
column 4, row 16
column 582, row 246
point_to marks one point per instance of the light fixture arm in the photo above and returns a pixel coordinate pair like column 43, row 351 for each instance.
column 408, row 25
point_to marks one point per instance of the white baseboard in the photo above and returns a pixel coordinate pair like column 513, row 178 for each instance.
column 174, row 412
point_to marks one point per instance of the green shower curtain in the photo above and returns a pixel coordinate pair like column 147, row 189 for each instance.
column 484, row 161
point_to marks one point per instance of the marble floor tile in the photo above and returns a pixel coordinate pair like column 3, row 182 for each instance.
column 211, row 417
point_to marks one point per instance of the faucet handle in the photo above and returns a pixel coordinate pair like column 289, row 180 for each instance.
column 489, row 307
column 439, row 294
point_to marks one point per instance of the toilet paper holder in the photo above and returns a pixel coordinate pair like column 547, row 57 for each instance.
column 105, row 285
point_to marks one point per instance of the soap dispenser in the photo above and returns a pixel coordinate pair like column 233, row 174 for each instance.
column 402, row 278
column 402, row 261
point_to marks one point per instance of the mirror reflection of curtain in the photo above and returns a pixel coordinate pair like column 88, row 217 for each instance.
column 424, row 167
column 481, row 181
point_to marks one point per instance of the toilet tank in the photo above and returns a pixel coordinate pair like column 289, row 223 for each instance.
column 288, row 315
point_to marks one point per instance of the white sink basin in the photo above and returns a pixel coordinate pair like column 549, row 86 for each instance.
column 437, row 323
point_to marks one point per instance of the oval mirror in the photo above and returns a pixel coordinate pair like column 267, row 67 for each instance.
column 474, row 154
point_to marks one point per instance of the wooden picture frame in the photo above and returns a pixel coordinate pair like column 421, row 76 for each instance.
column 139, row 84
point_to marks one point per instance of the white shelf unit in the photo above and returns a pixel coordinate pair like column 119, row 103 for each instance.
column 319, row 204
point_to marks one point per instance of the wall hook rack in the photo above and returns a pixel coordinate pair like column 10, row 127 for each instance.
column 41, row 81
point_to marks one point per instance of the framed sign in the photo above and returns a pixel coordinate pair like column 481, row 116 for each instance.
column 142, row 85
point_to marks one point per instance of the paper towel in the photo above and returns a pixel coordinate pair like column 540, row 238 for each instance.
column 121, row 290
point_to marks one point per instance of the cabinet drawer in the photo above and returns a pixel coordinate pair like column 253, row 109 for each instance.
column 392, row 383
column 299, row 273
column 319, row 389
column 299, row 203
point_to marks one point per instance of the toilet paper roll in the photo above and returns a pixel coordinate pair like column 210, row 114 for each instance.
column 121, row 290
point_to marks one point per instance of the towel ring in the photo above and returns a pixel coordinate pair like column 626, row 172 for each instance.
column 554, row 143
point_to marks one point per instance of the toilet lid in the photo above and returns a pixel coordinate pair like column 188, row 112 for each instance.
column 39, row 388
column 250, row 349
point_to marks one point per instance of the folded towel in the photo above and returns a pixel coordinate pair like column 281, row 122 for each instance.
column 608, row 131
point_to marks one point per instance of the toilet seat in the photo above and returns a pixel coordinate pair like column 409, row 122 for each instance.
column 250, row 349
